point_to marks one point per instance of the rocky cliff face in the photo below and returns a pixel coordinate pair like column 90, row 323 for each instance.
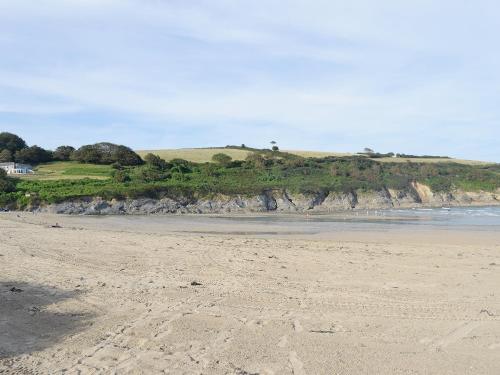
column 279, row 201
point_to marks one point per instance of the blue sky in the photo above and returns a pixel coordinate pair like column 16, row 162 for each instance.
column 405, row 76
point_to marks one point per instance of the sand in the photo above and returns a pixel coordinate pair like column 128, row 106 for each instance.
column 91, row 297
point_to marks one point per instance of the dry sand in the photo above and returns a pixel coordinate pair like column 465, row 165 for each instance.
column 89, row 298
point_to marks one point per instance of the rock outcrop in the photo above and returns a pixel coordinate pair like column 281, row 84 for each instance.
column 278, row 201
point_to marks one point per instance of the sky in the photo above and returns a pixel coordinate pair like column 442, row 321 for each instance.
column 416, row 76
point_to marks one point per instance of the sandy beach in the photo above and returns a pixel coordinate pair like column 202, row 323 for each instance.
column 96, row 296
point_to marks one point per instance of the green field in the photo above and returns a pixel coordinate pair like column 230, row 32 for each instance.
column 196, row 155
column 69, row 170
column 203, row 155
column 268, row 170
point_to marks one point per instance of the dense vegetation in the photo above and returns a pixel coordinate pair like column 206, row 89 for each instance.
column 262, row 170
column 14, row 149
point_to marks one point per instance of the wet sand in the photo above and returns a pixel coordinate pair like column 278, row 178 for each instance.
column 191, row 296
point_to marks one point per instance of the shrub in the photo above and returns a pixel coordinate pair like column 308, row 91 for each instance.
column 156, row 161
column 6, row 184
column 256, row 160
column 120, row 176
column 222, row 159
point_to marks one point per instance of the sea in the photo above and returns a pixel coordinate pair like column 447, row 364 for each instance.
column 446, row 218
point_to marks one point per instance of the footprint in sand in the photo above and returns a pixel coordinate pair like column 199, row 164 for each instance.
column 296, row 364
column 459, row 333
column 283, row 342
column 297, row 326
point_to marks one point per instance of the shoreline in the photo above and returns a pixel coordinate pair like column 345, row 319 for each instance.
column 317, row 227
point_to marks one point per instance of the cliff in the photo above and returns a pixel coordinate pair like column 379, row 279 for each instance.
column 278, row 201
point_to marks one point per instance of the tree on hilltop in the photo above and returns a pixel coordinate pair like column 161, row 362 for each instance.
column 33, row 155
column 63, row 153
column 11, row 142
column 107, row 153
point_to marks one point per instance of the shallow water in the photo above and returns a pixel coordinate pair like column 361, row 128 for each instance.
column 461, row 219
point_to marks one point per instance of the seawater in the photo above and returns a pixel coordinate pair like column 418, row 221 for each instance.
column 455, row 218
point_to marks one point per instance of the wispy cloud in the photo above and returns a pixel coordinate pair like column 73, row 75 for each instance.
column 401, row 76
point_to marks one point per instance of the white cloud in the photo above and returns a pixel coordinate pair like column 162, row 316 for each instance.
column 374, row 71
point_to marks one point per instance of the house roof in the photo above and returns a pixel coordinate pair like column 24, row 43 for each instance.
column 16, row 165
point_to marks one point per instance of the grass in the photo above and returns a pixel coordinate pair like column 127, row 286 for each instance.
column 76, row 171
column 318, row 154
column 69, row 170
column 203, row 155
column 196, row 155
column 432, row 161
column 61, row 181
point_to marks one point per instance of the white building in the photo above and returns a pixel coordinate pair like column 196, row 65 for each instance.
column 16, row 168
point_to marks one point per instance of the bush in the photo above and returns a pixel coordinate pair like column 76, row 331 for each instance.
column 156, row 161
column 222, row 159
column 120, row 176
column 256, row 160
column 6, row 184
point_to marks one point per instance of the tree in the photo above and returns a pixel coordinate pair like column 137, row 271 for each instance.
column 275, row 148
column 11, row 142
column 6, row 156
column 33, row 155
column 222, row 159
column 107, row 153
column 368, row 150
column 87, row 154
column 126, row 156
column 63, row 153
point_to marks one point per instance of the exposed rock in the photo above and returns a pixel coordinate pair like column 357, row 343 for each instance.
column 338, row 202
column 374, row 200
column 404, row 198
column 418, row 195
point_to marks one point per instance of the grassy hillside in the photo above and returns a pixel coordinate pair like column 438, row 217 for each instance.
column 113, row 171
column 196, row 155
column 202, row 155
column 266, row 170
column 69, row 170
